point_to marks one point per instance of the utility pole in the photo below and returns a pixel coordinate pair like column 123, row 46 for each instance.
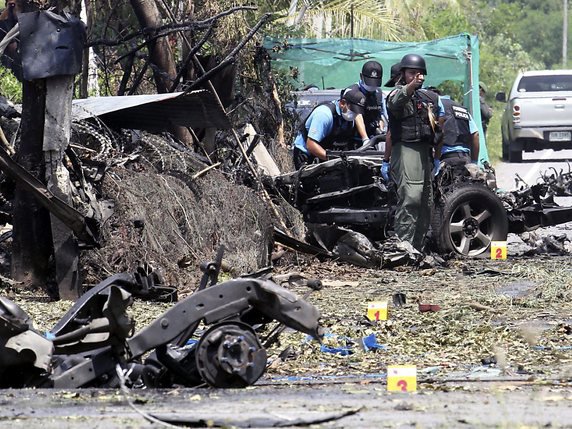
column 565, row 35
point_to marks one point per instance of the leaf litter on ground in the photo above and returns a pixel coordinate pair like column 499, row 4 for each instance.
column 527, row 334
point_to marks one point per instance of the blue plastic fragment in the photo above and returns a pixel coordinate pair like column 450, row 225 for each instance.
column 552, row 348
column 342, row 351
column 370, row 343
column 49, row 336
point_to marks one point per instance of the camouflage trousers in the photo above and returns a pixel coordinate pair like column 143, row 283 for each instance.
column 411, row 165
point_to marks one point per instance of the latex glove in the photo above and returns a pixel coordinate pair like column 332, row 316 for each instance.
column 385, row 166
column 436, row 167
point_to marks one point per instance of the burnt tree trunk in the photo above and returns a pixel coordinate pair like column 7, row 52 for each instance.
column 159, row 50
column 32, row 238
column 161, row 55
column 57, row 130
column 35, row 233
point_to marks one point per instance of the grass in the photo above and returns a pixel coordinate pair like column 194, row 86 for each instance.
column 494, row 139
column 9, row 86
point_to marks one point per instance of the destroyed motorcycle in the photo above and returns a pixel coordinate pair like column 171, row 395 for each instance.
column 93, row 345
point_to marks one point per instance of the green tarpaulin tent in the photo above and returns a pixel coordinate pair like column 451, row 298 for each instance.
column 336, row 63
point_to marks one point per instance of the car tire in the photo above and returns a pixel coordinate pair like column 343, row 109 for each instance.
column 515, row 156
column 504, row 149
column 467, row 220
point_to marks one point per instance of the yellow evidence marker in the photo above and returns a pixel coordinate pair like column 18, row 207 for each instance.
column 498, row 250
column 377, row 311
column 401, row 378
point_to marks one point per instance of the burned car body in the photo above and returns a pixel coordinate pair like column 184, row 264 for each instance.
column 468, row 213
column 93, row 346
column 346, row 191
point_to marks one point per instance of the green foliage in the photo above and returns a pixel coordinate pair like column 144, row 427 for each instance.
column 453, row 89
column 9, row 86
column 336, row 18
column 442, row 22
column 536, row 25
column 501, row 60
column 494, row 139
column 545, row 43
column 502, row 19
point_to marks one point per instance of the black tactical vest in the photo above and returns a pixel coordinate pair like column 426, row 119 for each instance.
column 456, row 131
column 414, row 126
column 342, row 130
column 373, row 101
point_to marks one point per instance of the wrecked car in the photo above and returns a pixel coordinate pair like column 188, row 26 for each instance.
column 212, row 337
column 347, row 193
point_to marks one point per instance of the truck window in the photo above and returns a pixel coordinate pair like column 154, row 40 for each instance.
column 545, row 83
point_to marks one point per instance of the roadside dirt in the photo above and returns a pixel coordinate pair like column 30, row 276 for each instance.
column 355, row 404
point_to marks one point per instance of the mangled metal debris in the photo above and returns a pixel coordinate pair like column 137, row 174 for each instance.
column 532, row 207
column 84, row 227
column 349, row 211
column 154, row 112
column 96, row 335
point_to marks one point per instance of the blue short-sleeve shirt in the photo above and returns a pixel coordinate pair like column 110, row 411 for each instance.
column 319, row 125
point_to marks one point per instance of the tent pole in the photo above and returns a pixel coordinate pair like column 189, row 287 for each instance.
column 469, row 89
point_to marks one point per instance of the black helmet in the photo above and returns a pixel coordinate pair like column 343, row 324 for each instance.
column 413, row 61
column 395, row 70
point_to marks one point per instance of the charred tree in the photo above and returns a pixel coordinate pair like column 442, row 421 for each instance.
column 32, row 238
column 44, row 249
column 32, row 245
column 160, row 54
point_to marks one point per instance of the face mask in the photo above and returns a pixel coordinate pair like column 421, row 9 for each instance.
column 348, row 115
column 369, row 88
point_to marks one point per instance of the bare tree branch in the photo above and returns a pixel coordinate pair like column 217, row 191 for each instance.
column 163, row 30
column 139, row 77
column 189, row 58
column 230, row 58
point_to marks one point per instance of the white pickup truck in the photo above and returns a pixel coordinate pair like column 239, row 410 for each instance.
column 538, row 114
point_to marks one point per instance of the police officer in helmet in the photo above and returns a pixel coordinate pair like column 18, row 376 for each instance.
column 395, row 73
column 415, row 115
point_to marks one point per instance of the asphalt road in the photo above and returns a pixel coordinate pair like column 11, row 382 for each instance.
column 506, row 404
column 532, row 165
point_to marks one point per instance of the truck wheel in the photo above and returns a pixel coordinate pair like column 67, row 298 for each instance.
column 515, row 156
column 467, row 219
column 504, row 149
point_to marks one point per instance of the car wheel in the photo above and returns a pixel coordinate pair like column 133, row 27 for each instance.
column 468, row 219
